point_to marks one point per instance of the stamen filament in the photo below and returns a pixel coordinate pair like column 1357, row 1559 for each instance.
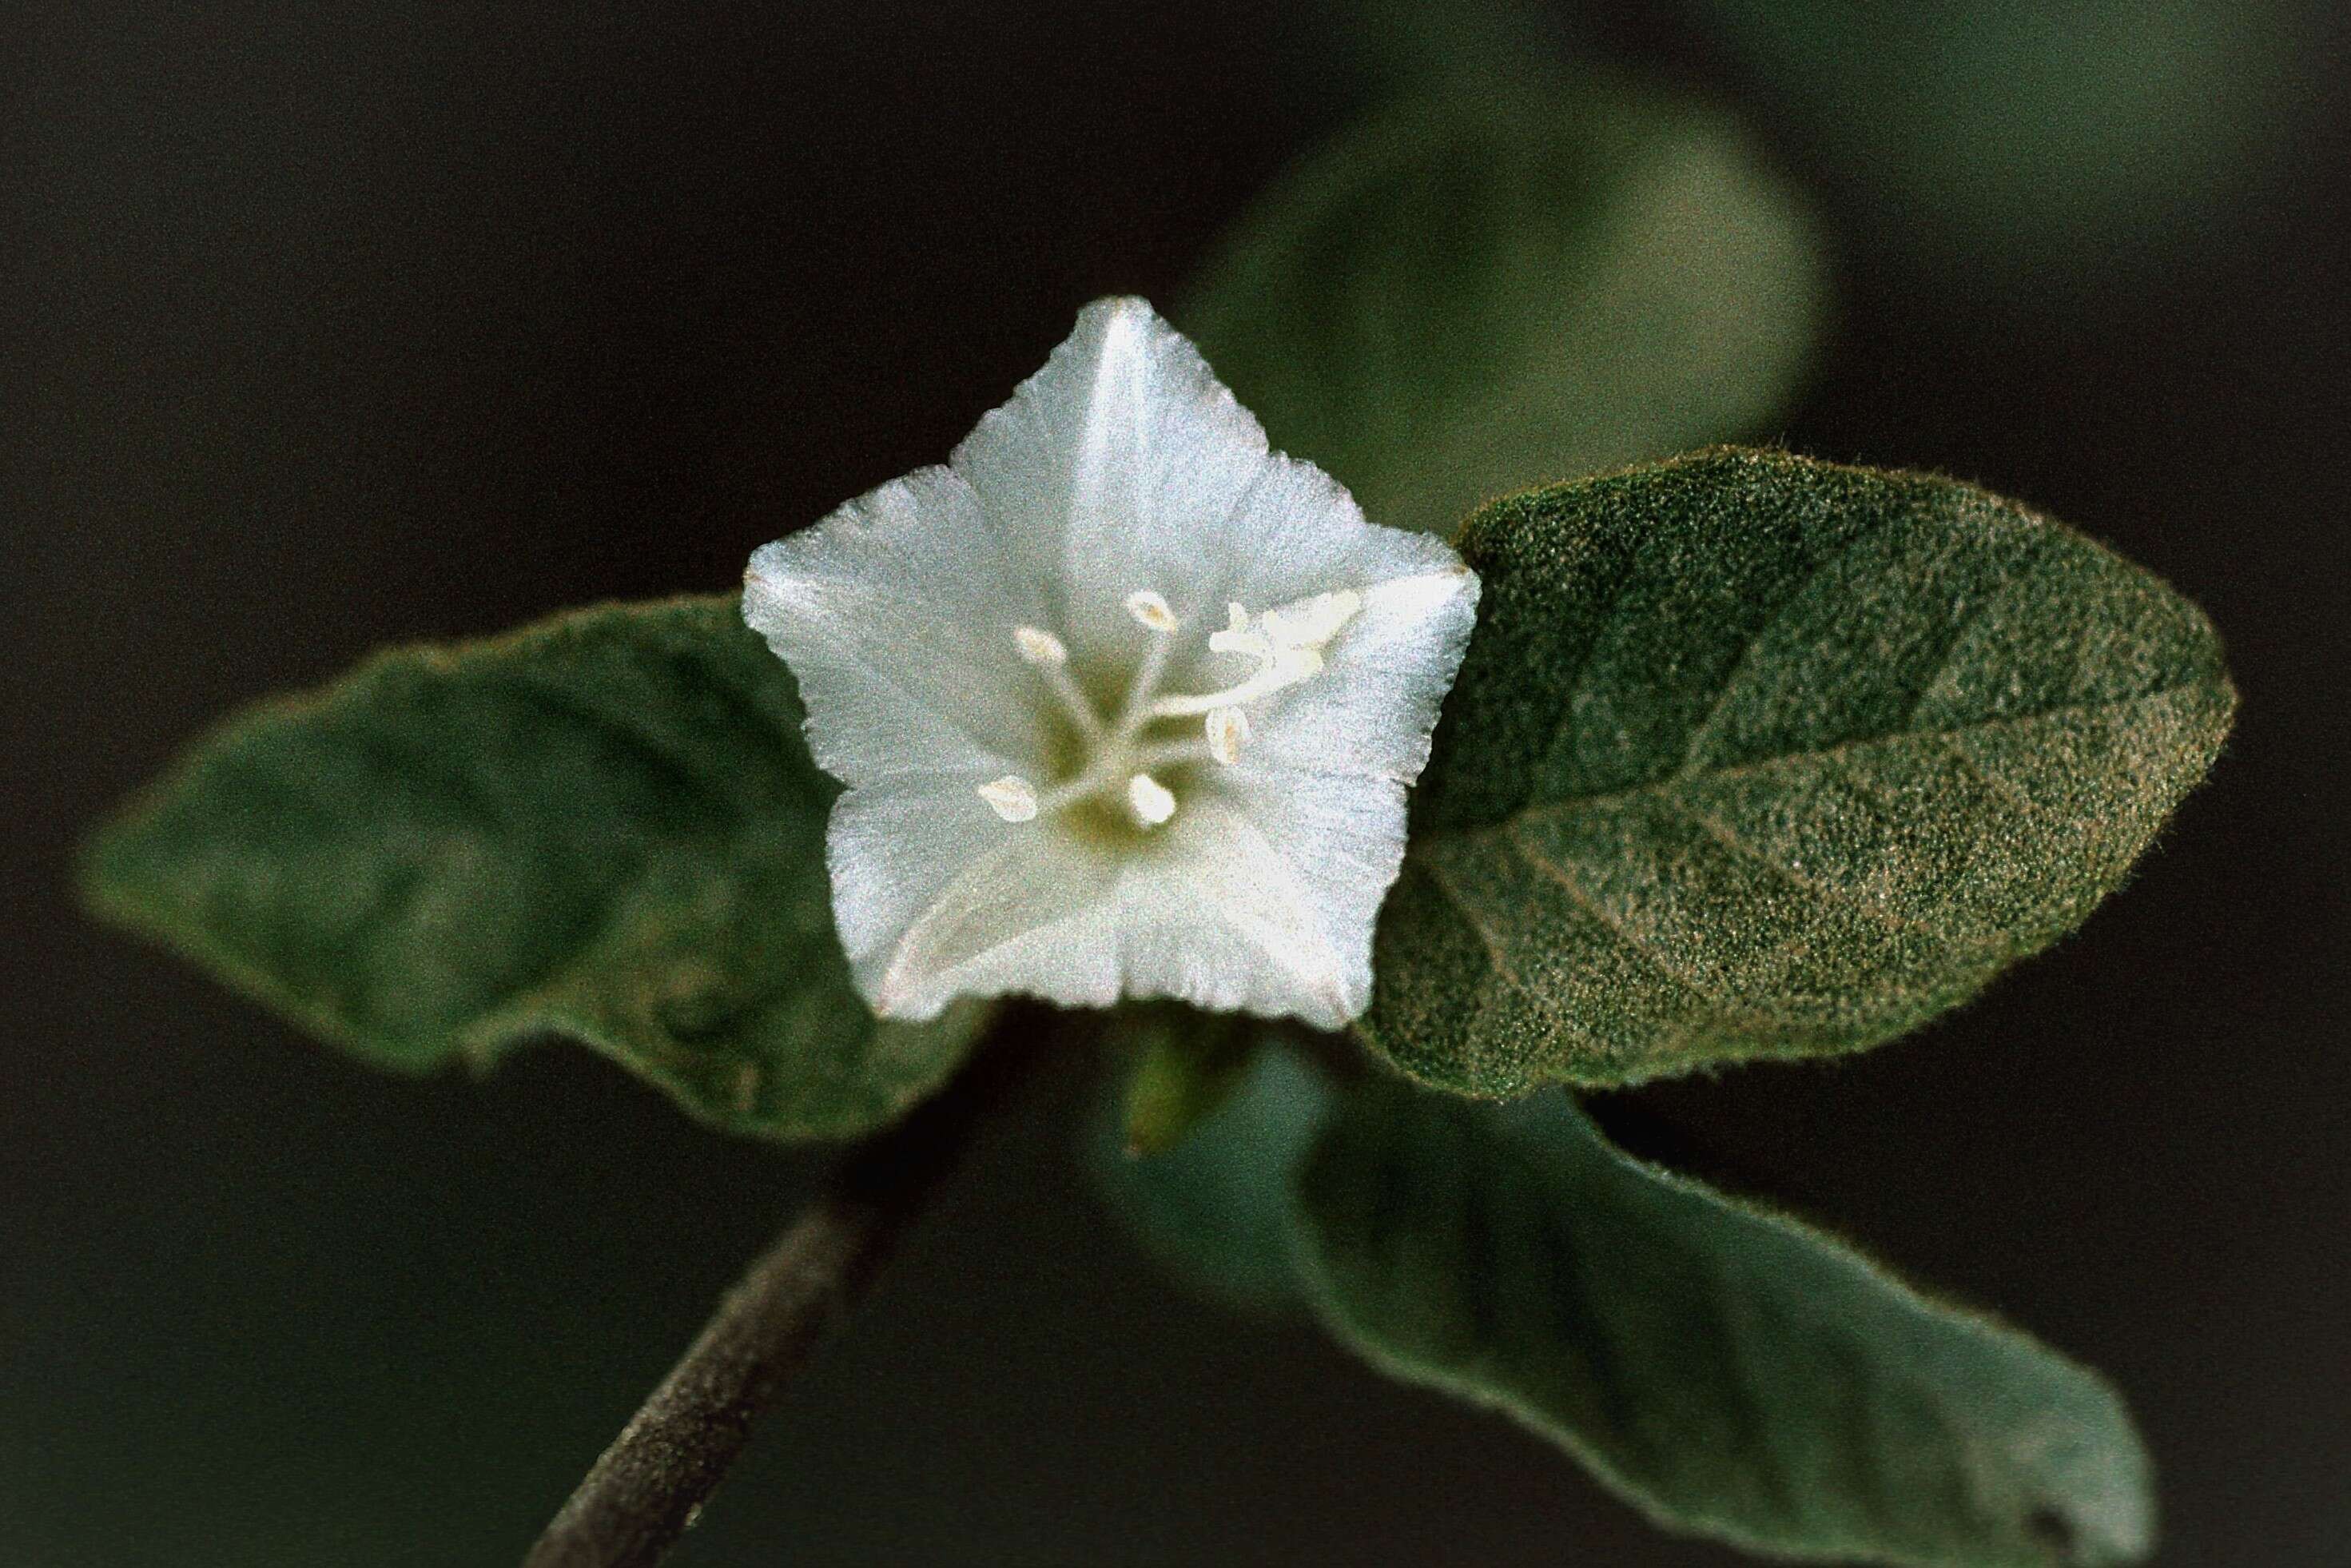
column 1133, row 711
column 1050, row 659
column 1081, row 712
column 1286, row 668
column 1062, row 797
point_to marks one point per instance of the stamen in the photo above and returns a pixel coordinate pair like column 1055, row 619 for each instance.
column 1284, row 643
column 1154, row 804
column 1040, row 647
column 1228, row 728
column 1050, row 657
column 1152, row 609
column 1285, row 667
column 1012, row 797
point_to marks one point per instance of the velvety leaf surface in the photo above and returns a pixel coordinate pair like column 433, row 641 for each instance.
column 1498, row 286
column 605, row 827
column 1729, row 1371
column 1756, row 756
column 1215, row 1209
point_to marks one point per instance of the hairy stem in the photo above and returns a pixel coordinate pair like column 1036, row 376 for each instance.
column 653, row 1481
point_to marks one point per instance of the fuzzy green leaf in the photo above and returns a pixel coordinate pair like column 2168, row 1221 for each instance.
column 1498, row 286
column 605, row 827
column 1755, row 756
column 1730, row 1372
column 1215, row 1209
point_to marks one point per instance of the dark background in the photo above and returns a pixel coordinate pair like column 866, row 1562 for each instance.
column 323, row 326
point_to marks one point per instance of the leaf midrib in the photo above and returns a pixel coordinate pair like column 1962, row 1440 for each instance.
column 1568, row 806
column 1726, row 1012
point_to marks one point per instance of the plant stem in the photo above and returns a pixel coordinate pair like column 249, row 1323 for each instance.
column 651, row 1482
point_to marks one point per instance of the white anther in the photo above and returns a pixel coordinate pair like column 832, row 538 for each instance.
column 1040, row 647
column 1012, row 797
column 1150, row 609
column 1227, row 728
column 1154, row 804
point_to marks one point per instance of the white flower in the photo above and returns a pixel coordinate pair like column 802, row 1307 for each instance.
column 1125, row 702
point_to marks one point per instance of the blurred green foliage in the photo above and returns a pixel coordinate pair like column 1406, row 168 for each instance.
column 1499, row 283
column 1730, row 1371
column 1187, row 1066
column 2041, row 136
column 1214, row 1209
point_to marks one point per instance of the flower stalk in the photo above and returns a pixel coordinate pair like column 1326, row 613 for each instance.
column 650, row 1485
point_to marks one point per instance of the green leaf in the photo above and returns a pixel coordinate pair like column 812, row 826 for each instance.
column 1215, row 1210
column 1755, row 756
column 1729, row 1371
column 1494, row 286
column 605, row 827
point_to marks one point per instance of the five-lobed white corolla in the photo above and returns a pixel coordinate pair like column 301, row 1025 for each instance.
column 1127, row 702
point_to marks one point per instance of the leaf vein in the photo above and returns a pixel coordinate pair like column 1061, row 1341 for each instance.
column 1967, row 622
column 1640, row 945
column 1490, row 936
column 1852, row 898
column 1564, row 734
column 1998, row 784
column 1700, row 733
column 1569, row 806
